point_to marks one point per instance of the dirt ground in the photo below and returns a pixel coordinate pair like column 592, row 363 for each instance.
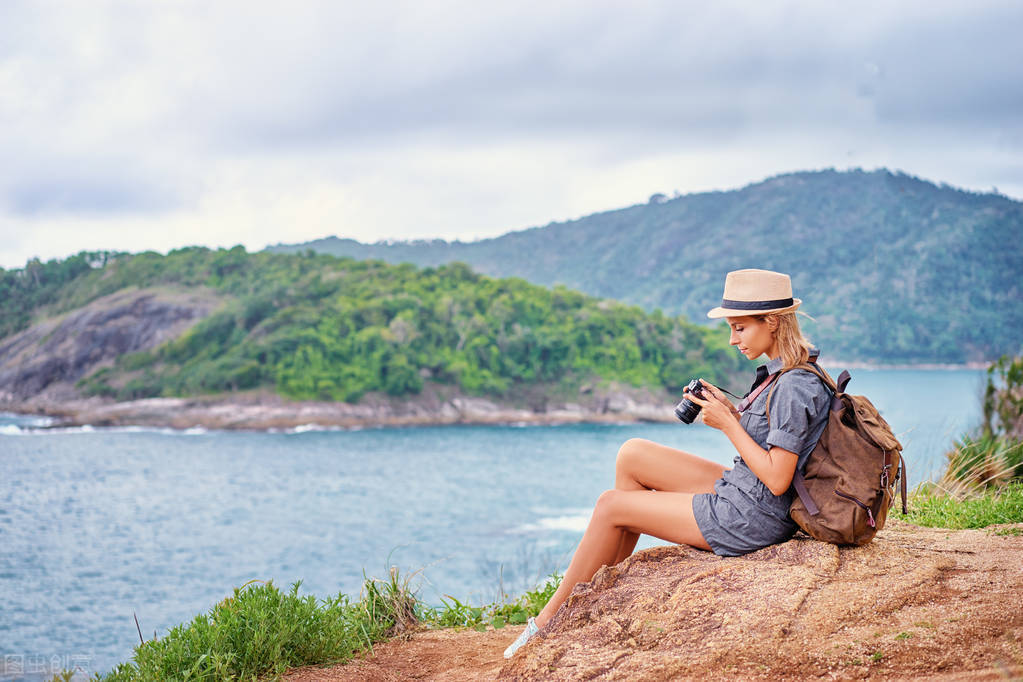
column 455, row 655
column 965, row 625
column 461, row 656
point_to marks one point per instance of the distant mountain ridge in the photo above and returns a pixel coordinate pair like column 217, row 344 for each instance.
column 893, row 268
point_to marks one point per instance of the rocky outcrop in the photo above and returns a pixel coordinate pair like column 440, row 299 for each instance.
column 914, row 602
column 44, row 361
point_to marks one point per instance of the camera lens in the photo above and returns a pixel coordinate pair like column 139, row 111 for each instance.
column 687, row 410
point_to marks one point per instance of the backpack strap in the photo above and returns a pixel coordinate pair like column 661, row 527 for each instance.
column 812, row 366
column 798, row 482
column 902, row 475
column 902, row 483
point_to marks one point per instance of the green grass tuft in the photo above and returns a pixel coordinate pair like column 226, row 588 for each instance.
column 936, row 508
column 982, row 461
column 261, row 631
column 456, row 614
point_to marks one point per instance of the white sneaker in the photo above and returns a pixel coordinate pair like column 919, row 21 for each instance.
column 531, row 629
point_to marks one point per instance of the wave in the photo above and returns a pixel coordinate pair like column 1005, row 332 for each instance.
column 23, row 430
column 306, row 428
column 315, row 428
column 575, row 521
column 23, row 420
column 41, row 428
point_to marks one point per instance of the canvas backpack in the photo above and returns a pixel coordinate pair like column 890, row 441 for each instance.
column 849, row 483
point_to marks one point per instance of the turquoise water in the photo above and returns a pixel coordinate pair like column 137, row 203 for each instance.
column 98, row 524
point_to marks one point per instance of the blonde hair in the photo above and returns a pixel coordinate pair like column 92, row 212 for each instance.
column 793, row 347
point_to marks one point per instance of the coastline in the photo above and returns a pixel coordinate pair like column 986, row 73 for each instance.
column 264, row 411
column 437, row 406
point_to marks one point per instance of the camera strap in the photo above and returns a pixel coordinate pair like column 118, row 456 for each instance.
column 748, row 400
column 752, row 395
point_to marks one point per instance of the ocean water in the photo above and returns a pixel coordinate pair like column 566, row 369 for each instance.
column 98, row 526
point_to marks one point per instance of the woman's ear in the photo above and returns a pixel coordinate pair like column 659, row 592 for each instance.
column 772, row 324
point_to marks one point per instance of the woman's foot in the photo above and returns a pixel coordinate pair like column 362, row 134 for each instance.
column 531, row 629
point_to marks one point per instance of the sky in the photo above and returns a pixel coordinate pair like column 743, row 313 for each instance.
column 155, row 125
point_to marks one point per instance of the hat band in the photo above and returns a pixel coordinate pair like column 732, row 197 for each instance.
column 756, row 305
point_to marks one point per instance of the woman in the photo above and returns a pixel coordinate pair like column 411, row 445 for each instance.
column 682, row 498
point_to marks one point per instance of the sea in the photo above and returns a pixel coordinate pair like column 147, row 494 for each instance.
column 103, row 526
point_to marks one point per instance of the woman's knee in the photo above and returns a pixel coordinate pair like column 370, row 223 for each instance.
column 607, row 503
column 630, row 451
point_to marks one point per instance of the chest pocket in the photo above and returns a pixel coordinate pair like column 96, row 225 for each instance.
column 754, row 422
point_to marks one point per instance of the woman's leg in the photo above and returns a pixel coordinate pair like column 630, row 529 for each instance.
column 644, row 465
column 666, row 515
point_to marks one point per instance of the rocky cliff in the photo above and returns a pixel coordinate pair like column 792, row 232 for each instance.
column 914, row 602
column 46, row 360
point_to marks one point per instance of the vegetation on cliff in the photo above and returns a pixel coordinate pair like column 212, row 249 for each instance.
column 313, row 326
column 894, row 269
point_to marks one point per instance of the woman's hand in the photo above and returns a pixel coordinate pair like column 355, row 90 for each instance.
column 717, row 393
column 717, row 411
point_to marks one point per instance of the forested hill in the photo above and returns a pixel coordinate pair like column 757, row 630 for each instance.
column 893, row 268
column 313, row 326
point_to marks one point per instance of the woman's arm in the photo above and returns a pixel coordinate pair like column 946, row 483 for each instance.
column 774, row 467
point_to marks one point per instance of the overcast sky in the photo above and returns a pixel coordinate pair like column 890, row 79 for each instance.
column 154, row 125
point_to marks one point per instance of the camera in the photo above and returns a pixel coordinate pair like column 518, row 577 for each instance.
column 687, row 410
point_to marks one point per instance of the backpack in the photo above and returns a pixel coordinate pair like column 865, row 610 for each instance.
column 849, row 484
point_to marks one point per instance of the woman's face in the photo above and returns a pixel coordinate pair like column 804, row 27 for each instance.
column 753, row 335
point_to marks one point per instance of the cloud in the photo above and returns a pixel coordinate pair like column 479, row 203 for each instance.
column 86, row 195
column 263, row 122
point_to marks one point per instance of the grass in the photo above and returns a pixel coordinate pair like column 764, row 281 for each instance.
column 497, row 615
column 935, row 507
column 982, row 461
column 260, row 632
column 982, row 486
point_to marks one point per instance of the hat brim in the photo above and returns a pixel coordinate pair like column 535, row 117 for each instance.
column 718, row 313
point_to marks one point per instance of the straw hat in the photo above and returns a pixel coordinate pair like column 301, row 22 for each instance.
column 755, row 292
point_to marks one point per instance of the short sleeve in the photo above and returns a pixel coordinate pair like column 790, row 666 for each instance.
column 798, row 405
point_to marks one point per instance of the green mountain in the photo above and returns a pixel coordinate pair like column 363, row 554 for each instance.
column 892, row 268
column 313, row 326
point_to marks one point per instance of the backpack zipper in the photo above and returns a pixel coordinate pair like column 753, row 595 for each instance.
column 870, row 515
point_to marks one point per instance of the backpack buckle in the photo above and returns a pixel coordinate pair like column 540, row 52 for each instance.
column 884, row 476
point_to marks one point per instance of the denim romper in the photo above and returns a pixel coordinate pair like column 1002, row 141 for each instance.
column 742, row 515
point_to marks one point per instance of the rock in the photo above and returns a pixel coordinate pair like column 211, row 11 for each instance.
column 618, row 402
column 47, row 359
column 795, row 610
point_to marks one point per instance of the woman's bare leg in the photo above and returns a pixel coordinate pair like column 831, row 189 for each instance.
column 666, row 515
column 644, row 465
